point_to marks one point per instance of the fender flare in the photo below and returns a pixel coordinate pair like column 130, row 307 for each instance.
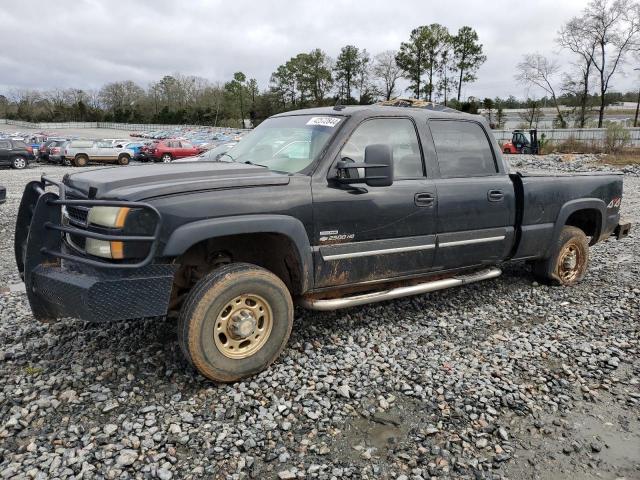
column 185, row 236
column 573, row 206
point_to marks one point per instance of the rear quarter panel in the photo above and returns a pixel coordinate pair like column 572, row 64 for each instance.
column 548, row 201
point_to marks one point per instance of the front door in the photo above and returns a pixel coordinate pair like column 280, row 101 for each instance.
column 476, row 201
column 5, row 148
column 368, row 233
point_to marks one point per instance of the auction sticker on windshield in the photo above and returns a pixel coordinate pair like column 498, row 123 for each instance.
column 324, row 121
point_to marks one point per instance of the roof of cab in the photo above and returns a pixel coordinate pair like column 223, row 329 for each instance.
column 392, row 108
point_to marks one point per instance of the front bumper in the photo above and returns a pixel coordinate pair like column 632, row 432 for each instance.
column 62, row 283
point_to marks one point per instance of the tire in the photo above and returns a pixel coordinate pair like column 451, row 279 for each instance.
column 166, row 158
column 66, row 162
column 218, row 301
column 80, row 161
column 507, row 151
column 569, row 259
column 19, row 162
column 123, row 160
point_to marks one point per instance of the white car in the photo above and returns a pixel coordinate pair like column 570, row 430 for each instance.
column 81, row 152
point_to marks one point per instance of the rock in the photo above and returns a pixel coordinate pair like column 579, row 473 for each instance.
column 286, row 475
column 109, row 429
column 110, row 405
column 127, row 457
column 164, row 474
column 482, row 443
column 343, row 390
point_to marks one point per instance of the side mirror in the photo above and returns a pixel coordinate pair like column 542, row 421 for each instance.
column 378, row 167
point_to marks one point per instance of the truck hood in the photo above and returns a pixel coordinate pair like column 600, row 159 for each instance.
column 145, row 181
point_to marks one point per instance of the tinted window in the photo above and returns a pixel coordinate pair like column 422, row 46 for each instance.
column 5, row 145
column 19, row 144
column 463, row 149
column 399, row 134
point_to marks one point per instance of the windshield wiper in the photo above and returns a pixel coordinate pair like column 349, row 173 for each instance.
column 249, row 162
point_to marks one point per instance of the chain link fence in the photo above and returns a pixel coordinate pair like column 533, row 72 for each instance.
column 593, row 136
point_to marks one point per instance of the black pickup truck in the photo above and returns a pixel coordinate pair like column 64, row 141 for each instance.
column 328, row 208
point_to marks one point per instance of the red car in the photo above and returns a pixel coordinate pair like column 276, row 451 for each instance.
column 168, row 150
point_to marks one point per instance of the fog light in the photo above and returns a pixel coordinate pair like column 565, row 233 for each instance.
column 104, row 249
column 99, row 248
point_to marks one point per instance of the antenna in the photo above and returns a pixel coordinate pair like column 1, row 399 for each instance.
column 338, row 106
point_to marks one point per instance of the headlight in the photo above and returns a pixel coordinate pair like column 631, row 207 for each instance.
column 111, row 217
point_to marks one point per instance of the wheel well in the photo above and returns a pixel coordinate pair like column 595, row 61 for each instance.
column 274, row 252
column 587, row 220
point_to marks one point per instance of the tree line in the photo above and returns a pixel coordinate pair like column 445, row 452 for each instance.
column 436, row 63
column 604, row 37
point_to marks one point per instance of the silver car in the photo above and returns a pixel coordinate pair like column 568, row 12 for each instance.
column 81, row 152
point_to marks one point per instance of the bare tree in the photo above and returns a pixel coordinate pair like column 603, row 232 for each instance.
column 387, row 71
column 572, row 38
column 532, row 113
column 538, row 70
column 613, row 26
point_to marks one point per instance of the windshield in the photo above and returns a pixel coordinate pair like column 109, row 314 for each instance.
column 286, row 144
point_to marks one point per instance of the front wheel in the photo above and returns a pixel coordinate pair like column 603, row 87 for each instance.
column 123, row 160
column 235, row 322
column 166, row 158
column 569, row 259
column 19, row 163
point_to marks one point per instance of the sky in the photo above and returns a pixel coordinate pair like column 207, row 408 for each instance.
column 87, row 43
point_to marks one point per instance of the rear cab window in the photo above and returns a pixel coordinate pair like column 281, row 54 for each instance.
column 463, row 149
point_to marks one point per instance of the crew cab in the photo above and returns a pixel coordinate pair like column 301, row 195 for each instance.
column 327, row 208
column 168, row 150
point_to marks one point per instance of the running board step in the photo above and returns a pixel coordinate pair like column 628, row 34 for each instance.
column 456, row 281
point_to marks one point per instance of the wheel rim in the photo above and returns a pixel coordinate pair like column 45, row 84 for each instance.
column 243, row 326
column 166, row 159
column 19, row 163
column 570, row 262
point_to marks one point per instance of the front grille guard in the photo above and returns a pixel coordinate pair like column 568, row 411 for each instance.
column 62, row 201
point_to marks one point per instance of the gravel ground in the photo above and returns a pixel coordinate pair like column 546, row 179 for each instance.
column 502, row 379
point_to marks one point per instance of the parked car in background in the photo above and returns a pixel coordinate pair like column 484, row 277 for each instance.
column 57, row 152
column 15, row 153
column 135, row 147
column 213, row 155
column 169, row 150
column 117, row 142
column 81, row 152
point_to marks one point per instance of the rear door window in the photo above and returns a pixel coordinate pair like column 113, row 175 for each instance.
column 463, row 149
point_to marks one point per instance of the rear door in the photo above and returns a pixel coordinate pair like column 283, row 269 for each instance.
column 366, row 233
column 476, row 200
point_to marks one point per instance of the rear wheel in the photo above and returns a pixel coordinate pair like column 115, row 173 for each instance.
column 66, row 162
column 569, row 260
column 19, row 162
column 166, row 158
column 80, row 161
column 123, row 160
column 235, row 322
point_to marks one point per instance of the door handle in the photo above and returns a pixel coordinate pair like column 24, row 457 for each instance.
column 424, row 199
column 495, row 195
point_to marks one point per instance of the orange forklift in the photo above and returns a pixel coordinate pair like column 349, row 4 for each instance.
column 522, row 142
